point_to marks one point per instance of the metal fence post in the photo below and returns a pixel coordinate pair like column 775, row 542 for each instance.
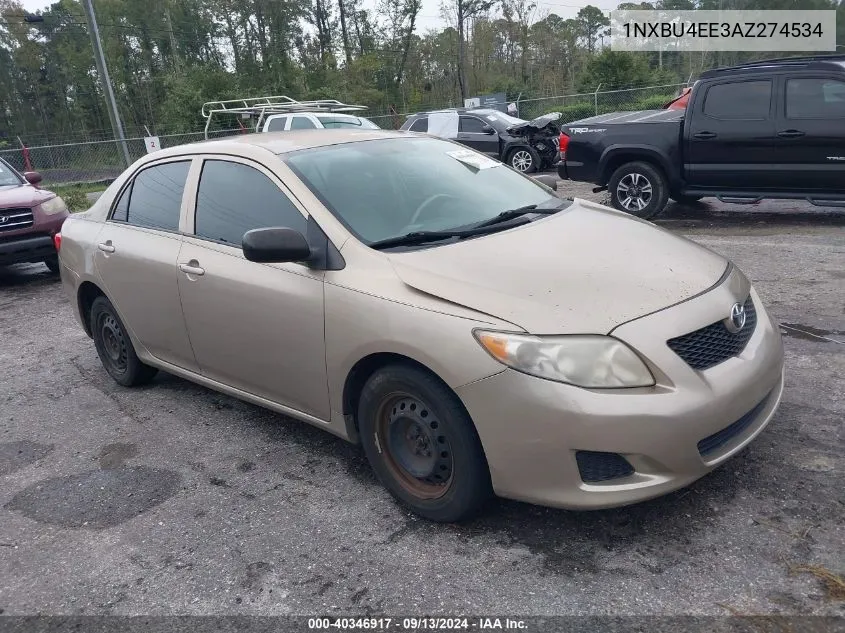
column 596, row 99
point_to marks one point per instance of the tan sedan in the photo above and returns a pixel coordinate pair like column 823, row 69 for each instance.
column 474, row 332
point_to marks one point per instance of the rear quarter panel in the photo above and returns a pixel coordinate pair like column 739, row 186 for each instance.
column 79, row 238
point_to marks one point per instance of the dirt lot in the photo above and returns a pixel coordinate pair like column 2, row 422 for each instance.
column 173, row 499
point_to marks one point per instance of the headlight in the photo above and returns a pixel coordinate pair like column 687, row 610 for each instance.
column 53, row 206
column 590, row 361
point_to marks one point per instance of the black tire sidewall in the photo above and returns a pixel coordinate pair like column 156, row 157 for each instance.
column 535, row 159
column 660, row 191
column 52, row 264
column 136, row 372
column 470, row 487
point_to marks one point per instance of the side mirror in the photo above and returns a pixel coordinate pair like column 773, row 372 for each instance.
column 549, row 181
column 488, row 130
column 275, row 246
column 32, row 177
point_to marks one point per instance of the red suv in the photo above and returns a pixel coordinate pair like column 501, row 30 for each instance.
column 30, row 219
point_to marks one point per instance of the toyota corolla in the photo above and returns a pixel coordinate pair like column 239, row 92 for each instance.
column 473, row 331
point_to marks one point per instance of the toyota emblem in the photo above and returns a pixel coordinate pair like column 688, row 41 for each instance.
column 736, row 321
column 4, row 219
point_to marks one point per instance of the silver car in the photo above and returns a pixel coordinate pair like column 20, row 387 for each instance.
column 474, row 332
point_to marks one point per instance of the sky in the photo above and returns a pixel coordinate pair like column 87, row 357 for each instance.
column 430, row 15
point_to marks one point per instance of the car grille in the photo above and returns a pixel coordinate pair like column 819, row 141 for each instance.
column 595, row 466
column 714, row 344
column 714, row 442
column 14, row 219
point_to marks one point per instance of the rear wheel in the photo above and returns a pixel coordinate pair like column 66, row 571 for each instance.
column 422, row 445
column 524, row 159
column 638, row 188
column 115, row 348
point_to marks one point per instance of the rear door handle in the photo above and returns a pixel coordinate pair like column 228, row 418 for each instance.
column 705, row 135
column 790, row 133
column 106, row 247
column 192, row 268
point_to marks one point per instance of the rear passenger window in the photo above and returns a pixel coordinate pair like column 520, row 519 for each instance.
column 121, row 209
column 301, row 123
column 155, row 198
column 750, row 100
column 815, row 98
column 235, row 198
column 277, row 124
column 420, row 125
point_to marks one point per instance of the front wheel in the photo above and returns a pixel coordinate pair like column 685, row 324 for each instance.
column 524, row 159
column 422, row 445
column 638, row 188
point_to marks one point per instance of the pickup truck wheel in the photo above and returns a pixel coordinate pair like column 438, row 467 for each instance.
column 524, row 159
column 422, row 445
column 639, row 189
column 115, row 348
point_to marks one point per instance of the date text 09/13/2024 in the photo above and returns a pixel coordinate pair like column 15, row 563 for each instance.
column 416, row 624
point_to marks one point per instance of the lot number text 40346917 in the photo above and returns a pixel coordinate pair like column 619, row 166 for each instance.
column 416, row 624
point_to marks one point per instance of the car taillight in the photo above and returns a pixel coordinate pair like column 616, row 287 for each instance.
column 57, row 241
column 562, row 143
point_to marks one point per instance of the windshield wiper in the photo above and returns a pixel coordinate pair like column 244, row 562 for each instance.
column 510, row 214
column 422, row 237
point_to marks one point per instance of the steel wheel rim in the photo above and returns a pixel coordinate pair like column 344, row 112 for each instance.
column 634, row 192
column 113, row 343
column 415, row 446
column 522, row 160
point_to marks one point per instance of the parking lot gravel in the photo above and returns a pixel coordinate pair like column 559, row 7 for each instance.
column 172, row 499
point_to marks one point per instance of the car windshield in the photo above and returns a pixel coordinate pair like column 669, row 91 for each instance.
column 390, row 187
column 347, row 121
column 8, row 175
column 506, row 118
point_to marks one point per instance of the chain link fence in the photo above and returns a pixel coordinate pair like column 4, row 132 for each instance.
column 102, row 161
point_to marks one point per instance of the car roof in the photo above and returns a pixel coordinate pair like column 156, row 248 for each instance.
column 814, row 62
column 278, row 142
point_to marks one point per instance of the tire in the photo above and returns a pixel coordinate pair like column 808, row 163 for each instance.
column 645, row 203
column 686, row 199
column 52, row 264
column 403, row 413
column 525, row 160
column 115, row 348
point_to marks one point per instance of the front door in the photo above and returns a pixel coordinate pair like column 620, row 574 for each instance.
column 732, row 134
column 256, row 327
column 810, row 152
column 136, row 257
column 471, row 133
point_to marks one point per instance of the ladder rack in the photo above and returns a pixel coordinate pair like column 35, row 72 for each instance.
column 278, row 104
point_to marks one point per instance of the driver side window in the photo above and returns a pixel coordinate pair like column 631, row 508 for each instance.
column 471, row 125
column 234, row 198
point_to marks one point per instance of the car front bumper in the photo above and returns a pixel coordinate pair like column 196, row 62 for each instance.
column 531, row 429
column 26, row 248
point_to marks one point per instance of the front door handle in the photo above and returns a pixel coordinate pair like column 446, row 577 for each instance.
column 106, row 247
column 705, row 135
column 192, row 268
column 790, row 133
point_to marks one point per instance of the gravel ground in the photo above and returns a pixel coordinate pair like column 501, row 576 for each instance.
column 171, row 499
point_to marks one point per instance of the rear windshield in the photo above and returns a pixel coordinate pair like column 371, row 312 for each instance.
column 347, row 121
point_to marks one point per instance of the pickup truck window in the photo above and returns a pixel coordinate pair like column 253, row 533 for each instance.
column 301, row 123
column 748, row 100
column 420, row 125
column 815, row 98
column 276, row 124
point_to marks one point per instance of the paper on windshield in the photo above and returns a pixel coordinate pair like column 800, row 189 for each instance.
column 473, row 159
column 443, row 124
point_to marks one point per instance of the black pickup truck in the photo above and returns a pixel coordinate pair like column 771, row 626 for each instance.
column 769, row 129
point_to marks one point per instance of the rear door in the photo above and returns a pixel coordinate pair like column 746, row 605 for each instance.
column 471, row 133
column 811, row 132
column 731, row 135
column 136, row 259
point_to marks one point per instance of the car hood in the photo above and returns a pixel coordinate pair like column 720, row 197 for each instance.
column 22, row 196
column 534, row 124
column 584, row 270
